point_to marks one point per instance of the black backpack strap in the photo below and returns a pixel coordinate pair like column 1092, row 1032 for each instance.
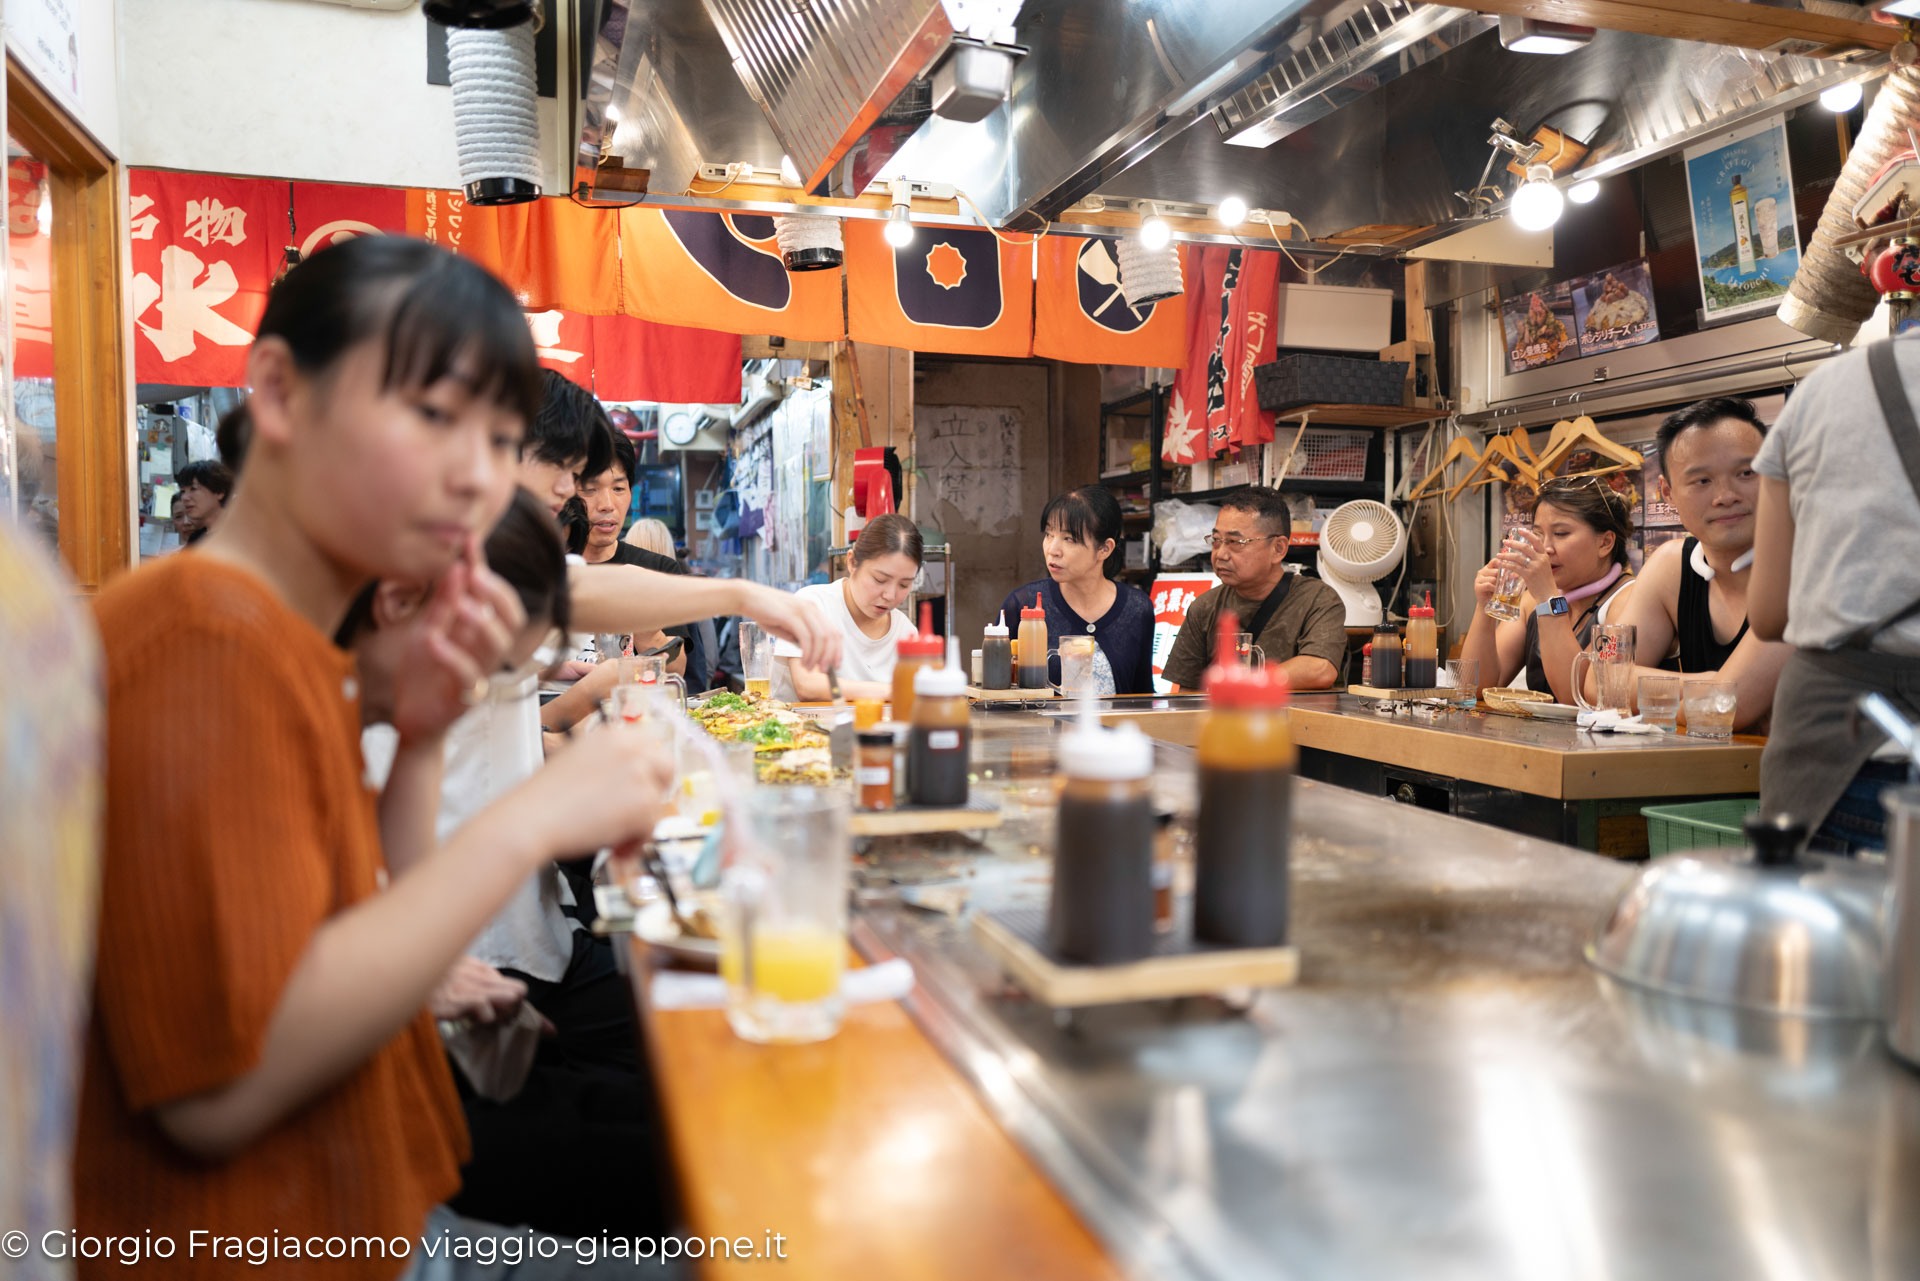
column 1896, row 407
column 1269, row 606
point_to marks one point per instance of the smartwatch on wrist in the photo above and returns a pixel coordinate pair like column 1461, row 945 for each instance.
column 1553, row 605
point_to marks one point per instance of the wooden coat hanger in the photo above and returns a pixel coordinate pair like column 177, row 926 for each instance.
column 1493, row 465
column 1583, row 433
column 1523, row 447
column 1461, row 449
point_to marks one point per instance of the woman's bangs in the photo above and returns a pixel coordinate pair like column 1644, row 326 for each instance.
column 456, row 321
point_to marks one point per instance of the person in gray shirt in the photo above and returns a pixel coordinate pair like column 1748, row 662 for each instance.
column 1834, row 575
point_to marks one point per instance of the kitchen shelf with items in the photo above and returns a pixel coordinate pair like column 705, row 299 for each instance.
column 1130, row 435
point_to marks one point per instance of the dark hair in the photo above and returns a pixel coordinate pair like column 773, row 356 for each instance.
column 885, row 535
column 208, row 474
column 439, row 315
column 176, row 500
column 574, row 525
column 1264, row 503
column 1704, row 413
column 1591, row 501
column 523, row 549
column 233, row 435
column 625, row 456
column 1090, row 515
column 570, row 425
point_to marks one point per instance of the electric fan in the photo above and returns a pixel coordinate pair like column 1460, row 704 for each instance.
column 1361, row 542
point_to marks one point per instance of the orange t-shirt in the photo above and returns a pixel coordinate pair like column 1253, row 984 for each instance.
column 237, row 823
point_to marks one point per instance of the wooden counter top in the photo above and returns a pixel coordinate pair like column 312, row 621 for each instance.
column 1540, row 758
column 868, row 1152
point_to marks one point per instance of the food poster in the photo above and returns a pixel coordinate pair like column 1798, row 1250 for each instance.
column 1655, row 510
column 1745, row 234
column 1613, row 309
column 1539, row 327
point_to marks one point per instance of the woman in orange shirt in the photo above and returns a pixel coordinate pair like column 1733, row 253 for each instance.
column 260, row 1062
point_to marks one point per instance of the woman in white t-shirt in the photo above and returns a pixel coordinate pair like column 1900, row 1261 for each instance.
column 880, row 572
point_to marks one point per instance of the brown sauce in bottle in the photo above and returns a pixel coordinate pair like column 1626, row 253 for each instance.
column 1102, row 909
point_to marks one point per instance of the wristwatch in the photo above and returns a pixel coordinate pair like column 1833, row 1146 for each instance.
column 1552, row 605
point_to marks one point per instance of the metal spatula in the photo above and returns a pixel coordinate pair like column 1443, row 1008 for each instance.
column 840, row 729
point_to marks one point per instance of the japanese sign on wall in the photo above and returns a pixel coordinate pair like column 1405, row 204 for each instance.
column 43, row 33
column 1173, row 595
column 1539, row 327
column 1745, row 235
column 1584, row 316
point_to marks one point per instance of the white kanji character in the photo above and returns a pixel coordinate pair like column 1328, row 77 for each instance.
column 187, row 304
column 144, row 223
column 546, row 336
column 209, row 220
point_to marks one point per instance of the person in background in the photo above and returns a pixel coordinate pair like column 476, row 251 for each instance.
column 50, row 798
column 864, row 605
column 652, row 535
column 563, row 443
column 1299, row 623
column 607, row 497
column 1080, row 538
column 1573, row 562
column 261, row 1055
column 1690, row 608
column 204, row 486
column 1834, row 577
column 183, row 524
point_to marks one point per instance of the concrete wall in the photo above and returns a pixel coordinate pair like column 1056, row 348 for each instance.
column 292, row 89
column 97, row 105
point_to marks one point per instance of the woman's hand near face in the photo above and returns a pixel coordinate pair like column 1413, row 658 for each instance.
column 461, row 638
column 1486, row 583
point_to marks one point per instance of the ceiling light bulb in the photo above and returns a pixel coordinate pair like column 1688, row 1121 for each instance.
column 1841, row 97
column 1154, row 231
column 1521, row 34
column 1232, row 211
column 1582, row 193
column 1538, row 204
column 899, row 232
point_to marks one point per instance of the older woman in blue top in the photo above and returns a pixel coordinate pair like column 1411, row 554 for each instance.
column 1081, row 539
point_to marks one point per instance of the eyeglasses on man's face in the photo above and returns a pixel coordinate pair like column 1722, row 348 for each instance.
column 1236, row 542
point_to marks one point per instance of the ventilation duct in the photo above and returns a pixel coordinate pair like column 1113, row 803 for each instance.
column 1148, row 275
column 1829, row 298
column 496, row 117
column 808, row 244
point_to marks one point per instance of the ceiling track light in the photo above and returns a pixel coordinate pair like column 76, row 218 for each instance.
column 1538, row 204
column 899, row 228
column 1154, row 231
column 1841, row 98
column 1582, row 193
column 1520, row 34
column 1231, row 212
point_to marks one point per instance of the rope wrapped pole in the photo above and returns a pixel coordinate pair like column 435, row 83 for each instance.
column 496, row 115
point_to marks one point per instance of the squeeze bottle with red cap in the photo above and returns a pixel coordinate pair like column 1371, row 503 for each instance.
column 1245, row 825
column 1423, row 647
column 922, row 649
column 1033, row 646
column 996, row 656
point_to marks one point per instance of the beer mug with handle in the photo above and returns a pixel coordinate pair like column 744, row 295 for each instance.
column 1611, row 654
column 651, row 669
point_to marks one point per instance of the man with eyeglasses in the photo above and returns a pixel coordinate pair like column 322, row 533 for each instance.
column 1299, row 623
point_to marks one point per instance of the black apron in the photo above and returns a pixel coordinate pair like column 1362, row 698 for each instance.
column 1818, row 743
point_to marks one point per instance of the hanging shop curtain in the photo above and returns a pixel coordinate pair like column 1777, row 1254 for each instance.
column 621, row 358
column 954, row 289
column 722, row 271
column 31, row 262
column 551, row 253
column 1081, row 315
column 1229, row 332
column 204, row 252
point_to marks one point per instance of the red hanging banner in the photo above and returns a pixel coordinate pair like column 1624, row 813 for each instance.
column 953, row 289
column 552, row 253
column 30, row 258
column 722, row 271
column 1081, row 315
column 638, row 360
column 204, row 253
column 1229, row 332
column 326, row 213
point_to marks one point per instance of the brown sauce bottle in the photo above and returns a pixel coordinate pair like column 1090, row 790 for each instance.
column 1102, row 907
column 1033, row 646
column 940, row 747
column 1244, row 829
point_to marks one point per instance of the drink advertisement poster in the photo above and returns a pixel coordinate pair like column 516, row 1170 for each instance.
column 1172, row 593
column 1539, row 327
column 1613, row 309
column 1745, row 233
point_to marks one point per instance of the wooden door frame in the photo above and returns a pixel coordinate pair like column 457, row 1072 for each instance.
column 90, row 379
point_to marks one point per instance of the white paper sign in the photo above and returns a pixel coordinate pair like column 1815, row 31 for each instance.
column 42, row 32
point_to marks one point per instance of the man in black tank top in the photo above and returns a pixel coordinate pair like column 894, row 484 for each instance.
column 1691, row 606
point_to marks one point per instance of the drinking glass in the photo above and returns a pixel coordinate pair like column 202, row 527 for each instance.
column 783, row 941
column 1505, row 605
column 1076, row 665
column 1611, row 652
column 1463, row 675
column 651, row 669
column 756, row 659
column 1660, row 701
column 1248, row 653
column 1710, row 706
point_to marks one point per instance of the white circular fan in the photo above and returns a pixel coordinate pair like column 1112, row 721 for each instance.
column 1361, row 542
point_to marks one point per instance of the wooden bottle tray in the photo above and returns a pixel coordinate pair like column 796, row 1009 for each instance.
column 1399, row 695
column 1016, row 938
column 1015, row 695
column 978, row 815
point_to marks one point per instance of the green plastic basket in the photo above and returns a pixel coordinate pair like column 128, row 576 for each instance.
column 1697, row 824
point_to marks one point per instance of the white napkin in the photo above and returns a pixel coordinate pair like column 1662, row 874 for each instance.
column 1611, row 721
column 680, row 990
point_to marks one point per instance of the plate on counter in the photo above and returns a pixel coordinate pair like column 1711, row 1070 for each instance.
column 653, row 921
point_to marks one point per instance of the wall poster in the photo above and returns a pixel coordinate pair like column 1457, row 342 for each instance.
column 1745, row 233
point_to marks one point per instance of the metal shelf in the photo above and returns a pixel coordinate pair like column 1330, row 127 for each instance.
column 1129, row 480
column 1293, row 485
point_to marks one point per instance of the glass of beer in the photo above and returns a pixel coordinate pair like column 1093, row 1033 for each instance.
column 1505, row 605
column 783, row 941
column 756, row 659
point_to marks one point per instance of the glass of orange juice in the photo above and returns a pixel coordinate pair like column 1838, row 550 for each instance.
column 783, row 941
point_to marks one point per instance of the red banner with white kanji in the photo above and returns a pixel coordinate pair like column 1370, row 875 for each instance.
column 1232, row 293
column 205, row 249
column 30, row 260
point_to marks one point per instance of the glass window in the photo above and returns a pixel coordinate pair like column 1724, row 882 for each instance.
column 32, row 450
